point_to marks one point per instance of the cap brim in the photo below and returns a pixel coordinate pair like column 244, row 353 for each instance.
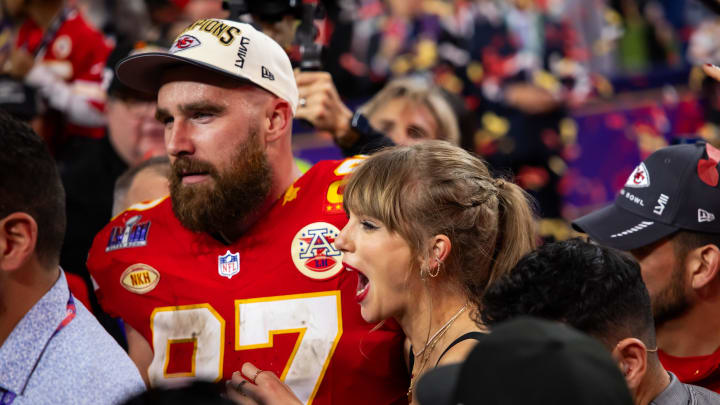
column 143, row 72
column 437, row 386
column 620, row 229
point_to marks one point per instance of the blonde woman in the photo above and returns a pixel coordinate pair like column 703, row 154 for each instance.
column 429, row 229
column 407, row 110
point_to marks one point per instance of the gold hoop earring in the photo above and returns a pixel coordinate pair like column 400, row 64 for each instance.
column 437, row 269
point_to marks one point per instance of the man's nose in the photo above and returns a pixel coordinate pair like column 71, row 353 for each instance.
column 178, row 139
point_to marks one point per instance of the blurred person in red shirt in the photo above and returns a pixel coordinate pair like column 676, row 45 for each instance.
column 58, row 52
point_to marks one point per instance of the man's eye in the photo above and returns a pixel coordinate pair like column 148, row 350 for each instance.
column 201, row 115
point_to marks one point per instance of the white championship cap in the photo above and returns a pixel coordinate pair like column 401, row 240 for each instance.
column 228, row 47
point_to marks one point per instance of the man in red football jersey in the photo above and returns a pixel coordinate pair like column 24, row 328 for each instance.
column 61, row 55
column 239, row 263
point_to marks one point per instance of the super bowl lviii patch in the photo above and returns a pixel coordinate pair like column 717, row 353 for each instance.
column 140, row 278
column 313, row 251
column 133, row 234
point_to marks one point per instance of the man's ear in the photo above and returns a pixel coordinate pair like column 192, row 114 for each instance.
column 18, row 237
column 278, row 119
column 631, row 355
column 703, row 264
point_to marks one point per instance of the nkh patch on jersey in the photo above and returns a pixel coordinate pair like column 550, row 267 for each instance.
column 140, row 278
column 314, row 253
column 229, row 264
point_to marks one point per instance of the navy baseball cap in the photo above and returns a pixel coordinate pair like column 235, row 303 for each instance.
column 675, row 188
column 529, row 361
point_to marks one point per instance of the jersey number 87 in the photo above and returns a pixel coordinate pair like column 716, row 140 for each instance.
column 316, row 317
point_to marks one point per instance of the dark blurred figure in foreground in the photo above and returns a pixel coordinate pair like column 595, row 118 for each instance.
column 197, row 393
column 529, row 361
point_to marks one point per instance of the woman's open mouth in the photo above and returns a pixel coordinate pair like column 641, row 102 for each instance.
column 363, row 285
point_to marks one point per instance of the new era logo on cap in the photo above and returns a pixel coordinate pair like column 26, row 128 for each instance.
column 639, row 177
column 266, row 74
column 184, row 42
column 705, row 216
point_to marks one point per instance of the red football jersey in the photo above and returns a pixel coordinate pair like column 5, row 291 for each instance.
column 277, row 297
column 77, row 54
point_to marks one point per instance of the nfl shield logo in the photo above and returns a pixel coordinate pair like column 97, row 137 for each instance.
column 229, row 264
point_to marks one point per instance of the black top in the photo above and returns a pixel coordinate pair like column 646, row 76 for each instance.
column 470, row 335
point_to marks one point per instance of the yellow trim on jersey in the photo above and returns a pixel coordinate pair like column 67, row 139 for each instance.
column 142, row 206
column 348, row 165
column 193, row 306
column 290, row 194
column 167, row 358
column 333, row 196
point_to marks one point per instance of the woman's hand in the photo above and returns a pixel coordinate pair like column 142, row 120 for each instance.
column 263, row 388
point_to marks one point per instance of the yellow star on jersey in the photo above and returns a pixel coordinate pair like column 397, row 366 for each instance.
column 290, row 194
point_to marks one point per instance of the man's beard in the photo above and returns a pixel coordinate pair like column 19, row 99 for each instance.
column 231, row 198
column 671, row 302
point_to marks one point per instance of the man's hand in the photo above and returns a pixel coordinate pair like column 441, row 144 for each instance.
column 712, row 71
column 21, row 61
column 320, row 104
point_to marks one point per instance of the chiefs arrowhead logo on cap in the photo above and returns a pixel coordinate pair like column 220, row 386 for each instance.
column 184, row 42
column 639, row 178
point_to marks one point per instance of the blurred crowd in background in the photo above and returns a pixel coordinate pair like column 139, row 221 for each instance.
column 565, row 96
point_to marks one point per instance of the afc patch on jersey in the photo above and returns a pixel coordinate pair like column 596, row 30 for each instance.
column 314, row 253
column 140, row 278
column 133, row 234
column 229, row 264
